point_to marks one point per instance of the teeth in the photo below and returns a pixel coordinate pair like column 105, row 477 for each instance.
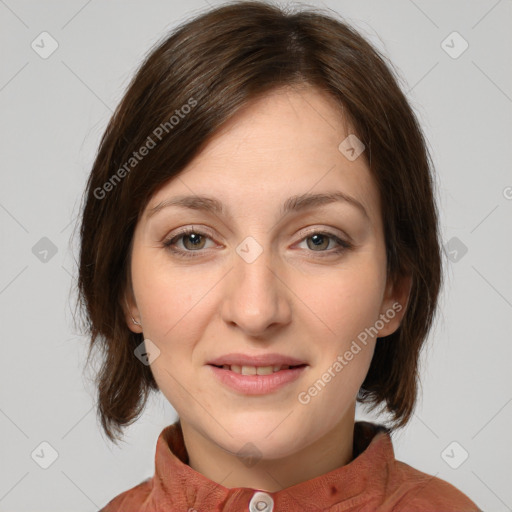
column 255, row 370
column 264, row 370
column 249, row 370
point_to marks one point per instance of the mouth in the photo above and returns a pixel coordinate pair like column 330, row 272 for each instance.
column 257, row 370
column 266, row 375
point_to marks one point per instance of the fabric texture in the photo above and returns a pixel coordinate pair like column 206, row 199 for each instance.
column 373, row 481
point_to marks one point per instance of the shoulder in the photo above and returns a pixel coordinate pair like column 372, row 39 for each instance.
column 414, row 491
column 130, row 500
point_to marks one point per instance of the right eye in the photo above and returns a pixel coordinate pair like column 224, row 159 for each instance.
column 192, row 239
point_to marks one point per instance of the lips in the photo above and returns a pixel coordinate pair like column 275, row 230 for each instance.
column 256, row 384
column 258, row 374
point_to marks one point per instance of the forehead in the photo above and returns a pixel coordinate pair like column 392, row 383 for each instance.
column 284, row 143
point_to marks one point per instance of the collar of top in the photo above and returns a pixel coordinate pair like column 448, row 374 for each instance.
column 179, row 486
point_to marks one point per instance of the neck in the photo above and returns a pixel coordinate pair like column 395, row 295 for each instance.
column 331, row 451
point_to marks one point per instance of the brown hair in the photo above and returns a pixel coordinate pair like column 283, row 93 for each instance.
column 187, row 86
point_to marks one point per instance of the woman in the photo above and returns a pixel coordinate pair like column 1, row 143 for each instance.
column 259, row 242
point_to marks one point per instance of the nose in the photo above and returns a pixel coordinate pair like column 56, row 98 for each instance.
column 257, row 298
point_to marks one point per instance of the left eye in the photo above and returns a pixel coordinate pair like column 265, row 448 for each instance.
column 321, row 241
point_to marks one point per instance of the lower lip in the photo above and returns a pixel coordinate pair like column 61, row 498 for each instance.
column 257, row 384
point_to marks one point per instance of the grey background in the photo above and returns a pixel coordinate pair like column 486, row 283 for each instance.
column 53, row 113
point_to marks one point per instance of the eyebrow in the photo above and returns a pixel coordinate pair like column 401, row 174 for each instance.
column 292, row 204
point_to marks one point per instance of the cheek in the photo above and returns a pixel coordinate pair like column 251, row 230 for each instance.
column 348, row 305
column 175, row 308
column 167, row 296
column 346, row 301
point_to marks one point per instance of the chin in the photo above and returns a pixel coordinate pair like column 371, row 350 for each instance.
column 260, row 435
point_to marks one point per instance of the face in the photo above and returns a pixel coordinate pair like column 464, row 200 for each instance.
column 265, row 280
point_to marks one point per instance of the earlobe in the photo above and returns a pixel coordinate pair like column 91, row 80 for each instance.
column 133, row 324
column 394, row 305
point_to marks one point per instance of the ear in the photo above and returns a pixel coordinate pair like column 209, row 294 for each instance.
column 394, row 304
column 131, row 312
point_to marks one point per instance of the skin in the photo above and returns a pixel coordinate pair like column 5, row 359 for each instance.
column 291, row 300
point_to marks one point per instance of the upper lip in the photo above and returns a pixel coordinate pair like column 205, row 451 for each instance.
column 256, row 360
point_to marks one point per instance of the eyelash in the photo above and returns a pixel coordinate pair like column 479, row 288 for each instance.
column 343, row 244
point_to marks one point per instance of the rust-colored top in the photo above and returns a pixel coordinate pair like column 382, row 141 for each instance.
column 373, row 481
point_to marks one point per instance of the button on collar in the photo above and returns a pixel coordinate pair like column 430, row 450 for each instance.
column 261, row 502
